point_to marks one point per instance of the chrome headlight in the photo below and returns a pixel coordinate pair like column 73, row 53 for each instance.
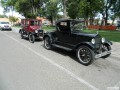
column 103, row 40
column 93, row 41
column 36, row 31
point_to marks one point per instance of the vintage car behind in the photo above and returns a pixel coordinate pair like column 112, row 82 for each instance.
column 32, row 29
column 69, row 36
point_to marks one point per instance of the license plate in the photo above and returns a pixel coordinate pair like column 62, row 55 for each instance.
column 102, row 54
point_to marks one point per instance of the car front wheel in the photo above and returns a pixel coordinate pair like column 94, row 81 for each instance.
column 31, row 38
column 85, row 55
column 47, row 43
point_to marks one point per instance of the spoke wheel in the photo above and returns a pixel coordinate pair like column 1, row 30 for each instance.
column 47, row 43
column 85, row 55
column 31, row 38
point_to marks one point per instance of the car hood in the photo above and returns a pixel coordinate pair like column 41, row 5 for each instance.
column 87, row 34
column 35, row 27
column 2, row 25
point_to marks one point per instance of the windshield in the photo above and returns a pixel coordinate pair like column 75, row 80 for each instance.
column 77, row 26
column 4, row 22
column 35, row 23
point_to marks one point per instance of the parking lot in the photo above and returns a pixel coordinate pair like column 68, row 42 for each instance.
column 28, row 66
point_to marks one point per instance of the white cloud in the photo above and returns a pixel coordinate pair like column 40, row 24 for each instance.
column 16, row 14
column 1, row 10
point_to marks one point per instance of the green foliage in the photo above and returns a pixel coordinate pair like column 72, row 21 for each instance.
column 28, row 8
column 52, row 9
column 3, row 16
column 13, row 19
column 87, row 9
column 83, row 8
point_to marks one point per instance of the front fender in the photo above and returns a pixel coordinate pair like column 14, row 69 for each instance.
column 88, row 44
column 48, row 35
column 108, row 42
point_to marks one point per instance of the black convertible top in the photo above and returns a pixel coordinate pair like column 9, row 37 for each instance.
column 69, row 20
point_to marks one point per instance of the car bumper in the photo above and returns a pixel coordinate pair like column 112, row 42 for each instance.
column 102, row 54
column 39, row 35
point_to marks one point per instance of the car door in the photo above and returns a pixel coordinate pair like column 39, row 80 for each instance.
column 26, row 27
column 64, row 35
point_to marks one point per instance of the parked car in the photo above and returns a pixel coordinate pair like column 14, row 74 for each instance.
column 32, row 29
column 69, row 36
column 5, row 26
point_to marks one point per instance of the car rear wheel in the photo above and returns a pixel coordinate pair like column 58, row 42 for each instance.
column 31, row 38
column 47, row 43
column 85, row 55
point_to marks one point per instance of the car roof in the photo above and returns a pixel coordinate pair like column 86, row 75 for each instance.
column 65, row 20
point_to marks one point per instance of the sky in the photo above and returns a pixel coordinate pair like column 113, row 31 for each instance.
column 16, row 14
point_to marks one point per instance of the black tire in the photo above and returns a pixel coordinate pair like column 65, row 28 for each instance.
column 22, row 34
column 106, row 48
column 47, row 43
column 31, row 38
column 85, row 55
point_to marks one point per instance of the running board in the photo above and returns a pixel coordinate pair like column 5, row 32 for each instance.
column 62, row 47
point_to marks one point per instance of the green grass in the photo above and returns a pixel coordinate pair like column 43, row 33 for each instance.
column 110, row 35
column 48, row 28
column 17, row 26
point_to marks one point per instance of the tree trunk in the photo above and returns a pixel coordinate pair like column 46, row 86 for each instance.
column 102, row 22
column 106, row 18
column 113, row 21
column 64, row 9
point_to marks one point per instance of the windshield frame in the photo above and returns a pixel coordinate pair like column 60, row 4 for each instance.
column 36, row 23
column 79, row 26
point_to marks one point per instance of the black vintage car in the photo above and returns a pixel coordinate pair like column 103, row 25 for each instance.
column 69, row 36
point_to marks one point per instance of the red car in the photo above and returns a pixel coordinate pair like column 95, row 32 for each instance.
column 31, row 28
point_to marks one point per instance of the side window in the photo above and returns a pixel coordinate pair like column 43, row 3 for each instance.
column 63, row 26
column 26, row 23
column 32, row 23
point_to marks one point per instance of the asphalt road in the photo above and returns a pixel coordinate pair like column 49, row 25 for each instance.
column 27, row 66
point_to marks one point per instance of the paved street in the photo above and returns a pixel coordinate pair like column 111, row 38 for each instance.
column 27, row 66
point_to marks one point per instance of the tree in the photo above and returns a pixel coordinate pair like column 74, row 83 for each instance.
column 115, row 10
column 64, row 2
column 106, row 9
column 72, row 8
column 13, row 19
column 29, row 8
column 52, row 9
column 3, row 16
column 86, row 9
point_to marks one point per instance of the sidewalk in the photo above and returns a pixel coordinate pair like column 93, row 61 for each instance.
column 116, row 50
